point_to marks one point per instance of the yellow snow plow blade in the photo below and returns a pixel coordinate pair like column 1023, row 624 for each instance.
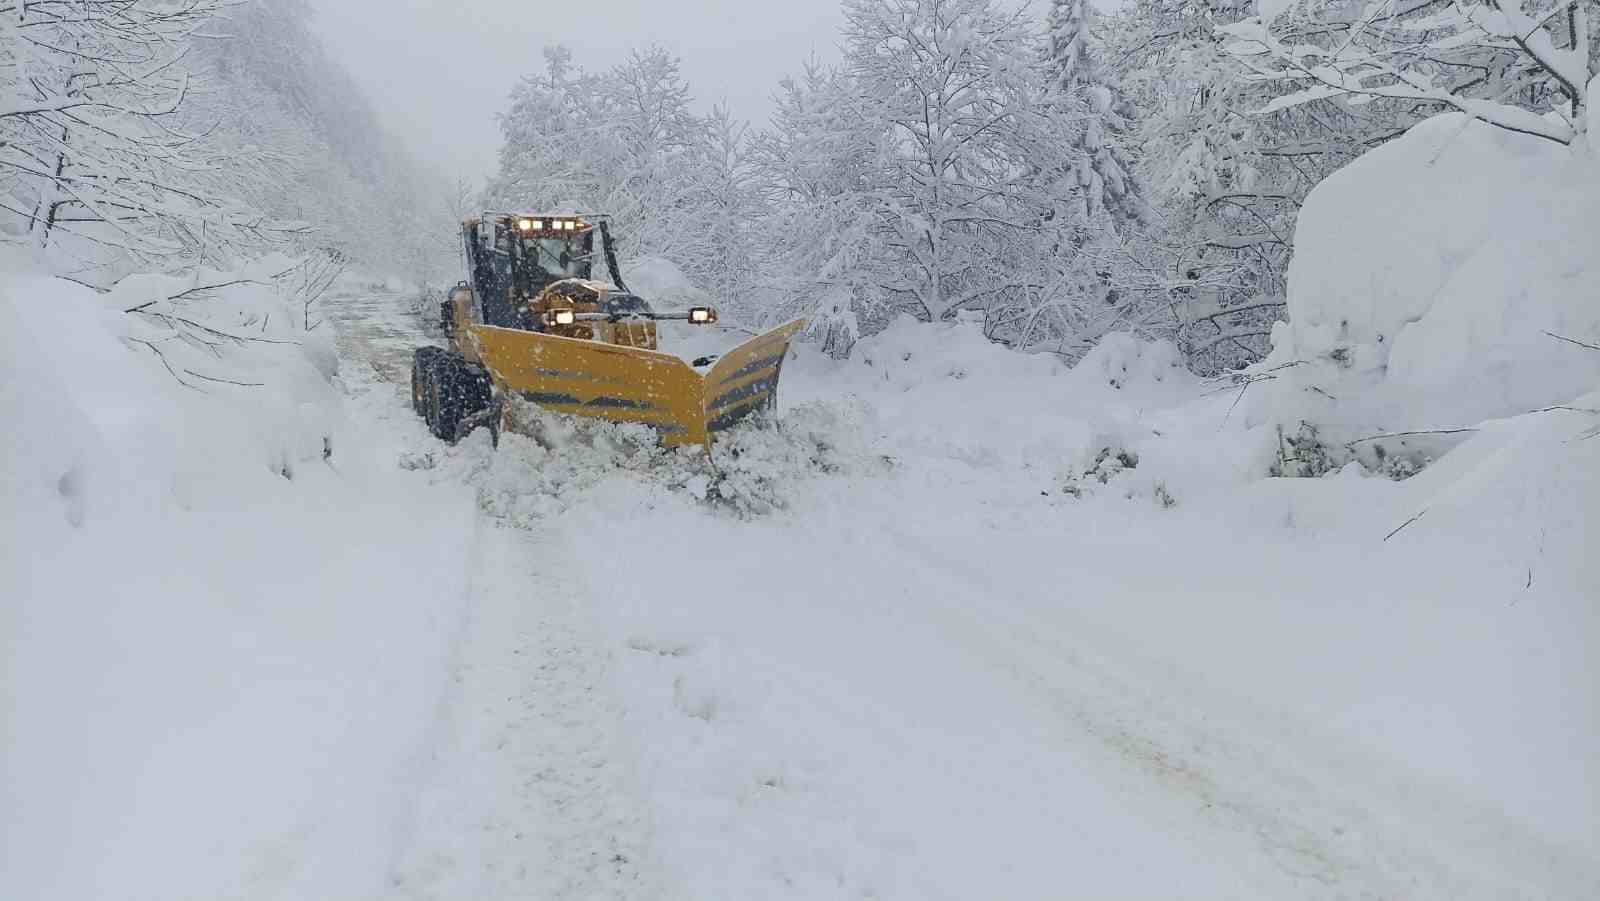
column 630, row 384
column 746, row 378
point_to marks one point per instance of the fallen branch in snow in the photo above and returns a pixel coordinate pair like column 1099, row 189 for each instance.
column 237, row 339
column 1403, row 525
column 1235, row 378
column 1229, row 414
column 212, row 378
column 95, row 288
column 199, row 288
column 1573, row 341
column 1550, row 409
column 1410, row 435
column 163, row 358
column 1563, row 407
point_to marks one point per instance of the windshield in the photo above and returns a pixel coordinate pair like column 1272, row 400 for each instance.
column 553, row 255
column 556, row 256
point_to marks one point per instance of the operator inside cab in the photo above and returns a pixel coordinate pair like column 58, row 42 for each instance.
column 525, row 254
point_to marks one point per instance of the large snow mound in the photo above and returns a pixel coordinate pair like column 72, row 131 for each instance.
column 99, row 402
column 223, row 631
column 1428, row 278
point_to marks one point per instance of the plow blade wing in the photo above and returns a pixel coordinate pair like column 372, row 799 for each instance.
column 745, row 379
column 629, row 384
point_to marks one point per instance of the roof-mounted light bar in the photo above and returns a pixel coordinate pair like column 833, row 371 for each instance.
column 530, row 224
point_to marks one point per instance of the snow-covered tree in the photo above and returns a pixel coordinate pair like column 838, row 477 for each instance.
column 1085, row 92
column 733, row 212
column 952, row 88
column 1224, row 170
column 89, row 143
column 624, row 142
column 942, row 167
column 1523, row 65
column 815, row 167
column 171, row 132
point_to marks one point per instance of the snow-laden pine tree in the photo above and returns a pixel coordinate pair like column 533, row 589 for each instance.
column 1084, row 91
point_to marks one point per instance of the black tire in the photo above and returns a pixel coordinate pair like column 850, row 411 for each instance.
column 476, row 391
column 444, row 400
column 423, row 363
column 461, row 391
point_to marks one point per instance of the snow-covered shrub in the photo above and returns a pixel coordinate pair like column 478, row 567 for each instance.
column 1121, row 359
column 1301, row 454
column 833, row 323
column 1108, row 463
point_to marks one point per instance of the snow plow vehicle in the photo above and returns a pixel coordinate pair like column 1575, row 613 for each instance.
column 530, row 323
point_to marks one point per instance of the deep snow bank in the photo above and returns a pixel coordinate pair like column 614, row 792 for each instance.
column 1426, row 278
column 219, row 645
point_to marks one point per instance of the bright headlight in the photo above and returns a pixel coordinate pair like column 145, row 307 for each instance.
column 702, row 315
column 560, row 317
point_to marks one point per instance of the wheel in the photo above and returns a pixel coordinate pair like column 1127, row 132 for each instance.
column 444, row 400
column 423, row 361
column 476, row 391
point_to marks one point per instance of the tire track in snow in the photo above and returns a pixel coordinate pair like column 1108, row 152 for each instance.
column 528, row 794
column 531, row 798
column 1342, row 828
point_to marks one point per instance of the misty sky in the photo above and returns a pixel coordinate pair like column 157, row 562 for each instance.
column 439, row 70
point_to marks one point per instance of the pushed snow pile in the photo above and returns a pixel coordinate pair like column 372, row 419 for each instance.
column 1428, row 278
column 552, row 461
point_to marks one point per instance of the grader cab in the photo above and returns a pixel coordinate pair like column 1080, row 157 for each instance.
column 531, row 322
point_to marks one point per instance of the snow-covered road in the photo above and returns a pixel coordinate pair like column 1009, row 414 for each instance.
column 937, row 680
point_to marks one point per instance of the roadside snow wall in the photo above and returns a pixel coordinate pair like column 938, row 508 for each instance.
column 219, row 651
column 1427, row 278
